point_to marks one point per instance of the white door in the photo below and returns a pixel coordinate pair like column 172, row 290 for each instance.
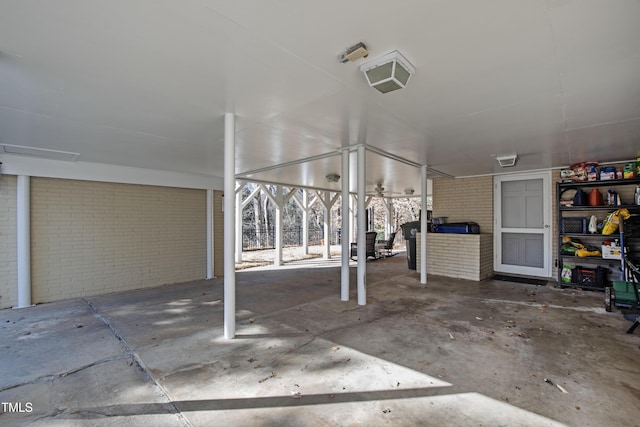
column 522, row 233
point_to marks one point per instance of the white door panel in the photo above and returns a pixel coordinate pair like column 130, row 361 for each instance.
column 522, row 208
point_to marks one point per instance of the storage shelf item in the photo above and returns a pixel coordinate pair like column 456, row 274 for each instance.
column 572, row 222
column 596, row 208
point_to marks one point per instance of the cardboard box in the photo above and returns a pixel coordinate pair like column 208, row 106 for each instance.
column 611, row 252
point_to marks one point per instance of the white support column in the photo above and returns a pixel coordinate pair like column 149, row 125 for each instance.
column 389, row 206
column 24, row 240
column 277, row 259
column 423, row 226
column 229, row 226
column 239, row 224
column 305, row 221
column 352, row 210
column 362, row 227
column 345, row 235
column 327, row 227
column 209, row 234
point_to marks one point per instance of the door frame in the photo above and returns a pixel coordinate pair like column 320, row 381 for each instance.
column 547, row 196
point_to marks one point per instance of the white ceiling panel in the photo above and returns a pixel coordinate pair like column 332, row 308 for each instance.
column 146, row 83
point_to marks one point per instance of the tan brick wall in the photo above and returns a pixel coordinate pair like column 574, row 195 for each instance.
column 218, row 236
column 463, row 256
column 465, row 199
column 92, row 238
column 8, row 242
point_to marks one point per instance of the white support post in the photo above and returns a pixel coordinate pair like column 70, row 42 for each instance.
column 352, row 210
column 327, row 226
column 389, row 206
column 346, row 247
column 239, row 225
column 209, row 234
column 277, row 259
column 23, row 210
column 229, row 227
column 423, row 226
column 305, row 221
column 362, row 227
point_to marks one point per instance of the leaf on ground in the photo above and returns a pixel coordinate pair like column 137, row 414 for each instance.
column 273, row 375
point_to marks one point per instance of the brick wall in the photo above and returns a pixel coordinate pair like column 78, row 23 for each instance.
column 8, row 242
column 92, row 237
column 465, row 199
column 463, row 256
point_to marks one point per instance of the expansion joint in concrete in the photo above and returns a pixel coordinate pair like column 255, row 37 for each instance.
column 52, row 377
column 141, row 365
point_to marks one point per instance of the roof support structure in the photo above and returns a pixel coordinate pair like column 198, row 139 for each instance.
column 210, row 259
column 229, row 226
column 23, row 210
column 362, row 228
column 423, row 227
column 346, row 247
column 327, row 203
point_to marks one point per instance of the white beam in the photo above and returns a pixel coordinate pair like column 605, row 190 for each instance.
column 86, row 171
column 346, row 247
column 23, row 210
column 251, row 196
column 362, row 226
column 229, row 227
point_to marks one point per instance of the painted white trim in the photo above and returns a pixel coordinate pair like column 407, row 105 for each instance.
column 547, row 195
column 47, row 168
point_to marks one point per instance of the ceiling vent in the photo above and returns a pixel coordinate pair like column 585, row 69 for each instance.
column 354, row 53
column 507, row 161
column 389, row 72
column 39, row 152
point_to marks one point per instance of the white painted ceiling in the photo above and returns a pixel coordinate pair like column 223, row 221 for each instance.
column 146, row 83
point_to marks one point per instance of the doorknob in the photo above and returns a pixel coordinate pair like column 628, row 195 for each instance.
column 546, row 226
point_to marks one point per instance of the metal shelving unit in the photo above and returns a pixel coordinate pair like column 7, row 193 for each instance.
column 632, row 240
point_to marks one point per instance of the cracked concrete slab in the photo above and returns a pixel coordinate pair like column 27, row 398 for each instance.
column 51, row 339
column 111, row 393
column 452, row 353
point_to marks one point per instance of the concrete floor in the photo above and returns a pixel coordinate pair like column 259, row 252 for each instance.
column 455, row 353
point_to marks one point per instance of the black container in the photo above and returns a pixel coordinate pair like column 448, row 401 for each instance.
column 409, row 231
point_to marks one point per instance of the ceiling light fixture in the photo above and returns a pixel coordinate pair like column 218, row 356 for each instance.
column 333, row 177
column 39, row 152
column 508, row 160
column 389, row 72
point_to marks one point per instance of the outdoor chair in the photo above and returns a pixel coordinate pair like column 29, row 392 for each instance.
column 370, row 246
column 385, row 246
